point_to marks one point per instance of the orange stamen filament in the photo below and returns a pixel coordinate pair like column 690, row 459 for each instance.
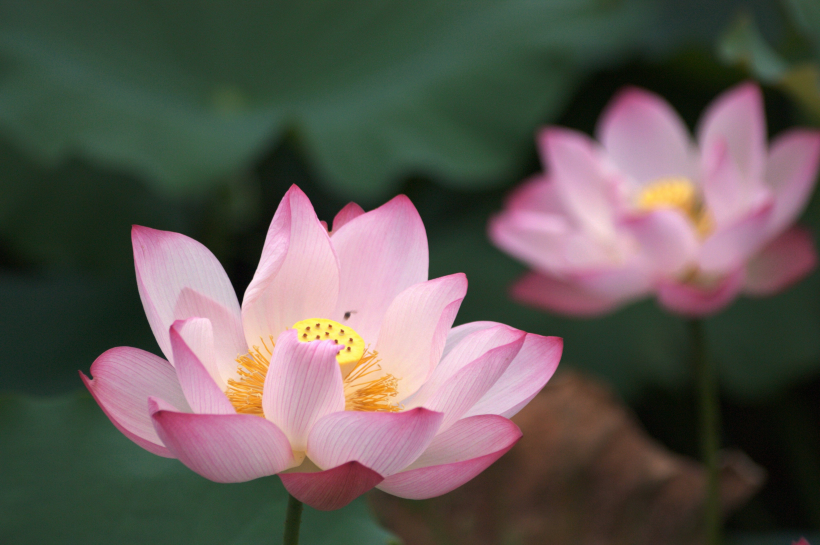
column 245, row 394
column 367, row 389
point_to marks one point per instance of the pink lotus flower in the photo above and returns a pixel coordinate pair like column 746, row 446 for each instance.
column 648, row 211
column 340, row 372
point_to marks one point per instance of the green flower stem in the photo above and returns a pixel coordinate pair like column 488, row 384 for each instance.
column 709, row 417
column 293, row 518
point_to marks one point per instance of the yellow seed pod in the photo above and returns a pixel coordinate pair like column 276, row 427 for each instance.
column 321, row 329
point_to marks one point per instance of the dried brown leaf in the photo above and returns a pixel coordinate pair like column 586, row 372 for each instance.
column 585, row 472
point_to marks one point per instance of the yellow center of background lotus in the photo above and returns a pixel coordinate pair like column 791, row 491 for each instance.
column 679, row 193
column 669, row 193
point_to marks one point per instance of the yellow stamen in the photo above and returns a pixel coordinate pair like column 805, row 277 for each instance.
column 366, row 387
column 678, row 193
column 246, row 393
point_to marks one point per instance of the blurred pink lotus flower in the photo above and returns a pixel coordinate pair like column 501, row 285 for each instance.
column 340, row 372
column 801, row 542
column 646, row 210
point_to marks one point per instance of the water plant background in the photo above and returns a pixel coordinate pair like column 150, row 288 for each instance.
column 197, row 117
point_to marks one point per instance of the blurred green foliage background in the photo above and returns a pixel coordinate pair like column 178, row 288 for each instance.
column 196, row 116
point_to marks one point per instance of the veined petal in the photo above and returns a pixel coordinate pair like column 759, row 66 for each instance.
column 225, row 448
column 302, row 385
column 227, row 343
column 730, row 247
column 332, row 488
column 383, row 442
column 791, row 172
column 550, row 293
column 528, row 372
column 454, row 457
column 645, row 137
column 179, row 278
column 192, row 342
column 784, row 261
column 297, row 276
column 667, row 240
column 457, row 334
column 697, row 301
column 414, row 330
column 350, row 211
column 470, row 348
column 458, row 393
column 124, row 379
column 575, row 166
column 736, row 117
column 381, row 253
